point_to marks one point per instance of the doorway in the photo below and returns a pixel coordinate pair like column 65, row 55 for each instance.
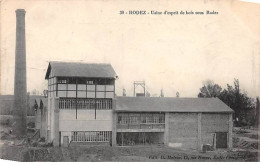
column 221, row 140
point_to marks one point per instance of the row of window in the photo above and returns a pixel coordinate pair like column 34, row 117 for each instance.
column 81, row 87
column 85, row 103
column 84, row 94
column 73, row 80
column 140, row 118
column 80, row 94
column 91, row 136
column 83, row 91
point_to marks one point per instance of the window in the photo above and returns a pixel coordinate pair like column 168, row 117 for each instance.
column 119, row 119
column 81, row 81
column 104, row 103
column 149, row 119
column 156, row 119
column 140, row 120
column 143, row 119
column 90, row 82
column 122, row 119
column 161, row 118
column 66, row 103
column 91, row 136
column 72, row 80
column 62, row 80
column 101, row 81
column 133, row 119
column 110, row 81
column 146, row 118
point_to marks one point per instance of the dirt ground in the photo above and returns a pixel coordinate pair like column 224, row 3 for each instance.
column 246, row 139
column 244, row 149
column 106, row 153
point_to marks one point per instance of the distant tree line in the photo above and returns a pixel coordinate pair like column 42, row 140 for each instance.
column 7, row 101
column 246, row 108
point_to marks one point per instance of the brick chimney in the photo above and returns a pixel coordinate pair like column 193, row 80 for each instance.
column 20, row 86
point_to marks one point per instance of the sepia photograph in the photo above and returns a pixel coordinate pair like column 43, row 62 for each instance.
column 129, row 81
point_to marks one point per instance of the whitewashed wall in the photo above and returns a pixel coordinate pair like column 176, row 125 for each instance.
column 86, row 120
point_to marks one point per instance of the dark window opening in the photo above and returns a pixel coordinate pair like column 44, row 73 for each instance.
column 110, row 81
column 101, row 81
column 71, row 80
column 81, row 81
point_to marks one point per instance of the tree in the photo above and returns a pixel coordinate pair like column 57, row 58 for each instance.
column 239, row 102
column 210, row 89
column 257, row 112
column 233, row 97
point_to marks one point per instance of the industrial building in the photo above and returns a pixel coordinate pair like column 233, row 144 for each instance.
column 82, row 108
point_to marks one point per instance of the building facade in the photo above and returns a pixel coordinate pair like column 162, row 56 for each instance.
column 80, row 102
column 187, row 123
column 82, row 108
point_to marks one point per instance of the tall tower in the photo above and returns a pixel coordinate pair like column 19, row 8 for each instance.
column 20, row 89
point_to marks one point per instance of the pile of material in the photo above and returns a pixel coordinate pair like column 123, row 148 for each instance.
column 246, row 139
column 247, row 143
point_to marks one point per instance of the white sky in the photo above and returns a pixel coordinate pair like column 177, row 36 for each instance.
column 176, row 53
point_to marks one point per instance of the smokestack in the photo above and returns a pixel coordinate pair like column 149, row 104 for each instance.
column 20, row 89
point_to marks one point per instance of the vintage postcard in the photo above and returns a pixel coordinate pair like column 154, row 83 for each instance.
column 127, row 81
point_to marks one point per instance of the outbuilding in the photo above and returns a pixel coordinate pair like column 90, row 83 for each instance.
column 187, row 123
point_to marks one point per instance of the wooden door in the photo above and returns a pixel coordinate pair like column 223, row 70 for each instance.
column 65, row 141
column 221, row 140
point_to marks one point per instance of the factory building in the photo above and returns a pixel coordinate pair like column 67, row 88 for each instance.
column 187, row 123
column 82, row 108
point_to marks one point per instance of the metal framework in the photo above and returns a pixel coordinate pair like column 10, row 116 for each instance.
column 139, row 83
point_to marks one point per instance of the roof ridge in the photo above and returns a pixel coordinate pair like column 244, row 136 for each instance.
column 170, row 97
column 80, row 69
column 79, row 62
column 171, row 104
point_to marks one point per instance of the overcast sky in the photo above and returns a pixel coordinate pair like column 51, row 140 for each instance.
column 176, row 53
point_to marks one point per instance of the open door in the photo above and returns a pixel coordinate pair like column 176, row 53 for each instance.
column 221, row 140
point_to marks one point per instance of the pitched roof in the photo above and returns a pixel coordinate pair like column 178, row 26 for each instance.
column 69, row 69
column 170, row 104
column 43, row 100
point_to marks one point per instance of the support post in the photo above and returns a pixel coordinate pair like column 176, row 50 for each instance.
column 114, row 123
column 199, row 133
column 76, row 101
column 134, row 89
column 144, row 89
column 122, row 138
column 230, row 129
column 56, row 122
column 45, row 122
column 166, row 129
column 95, row 99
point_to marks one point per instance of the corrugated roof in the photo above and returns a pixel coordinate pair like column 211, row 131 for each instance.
column 170, row 104
column 69, row 69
